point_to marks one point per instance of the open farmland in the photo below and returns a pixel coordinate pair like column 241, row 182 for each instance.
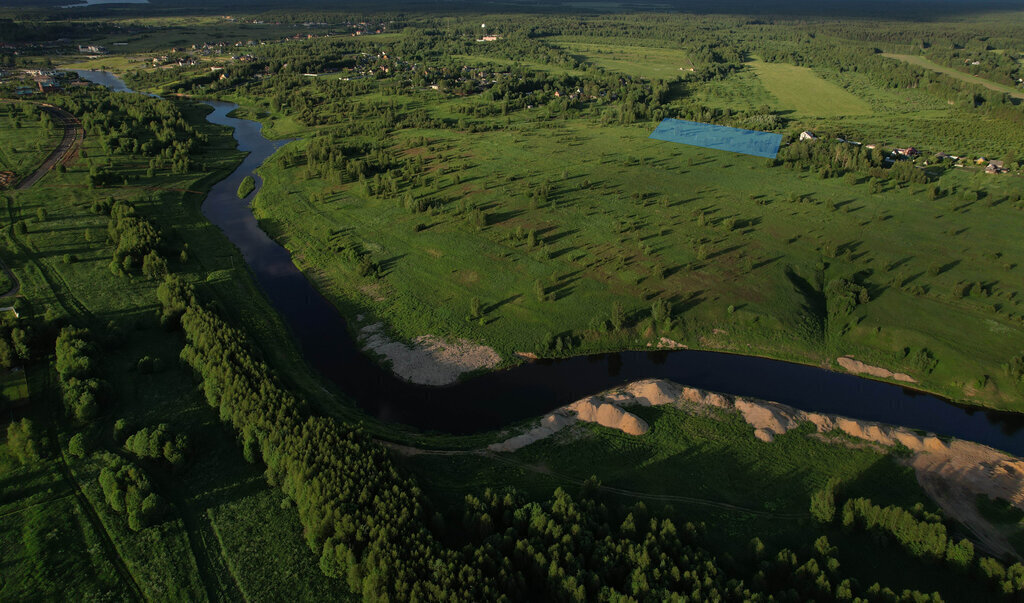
column 643, row 61
column 801, row 90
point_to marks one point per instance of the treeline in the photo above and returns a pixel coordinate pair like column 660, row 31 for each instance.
column 372, row 527
column 920, row 534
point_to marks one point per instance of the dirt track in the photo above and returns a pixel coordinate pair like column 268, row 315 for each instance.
column 72, row 139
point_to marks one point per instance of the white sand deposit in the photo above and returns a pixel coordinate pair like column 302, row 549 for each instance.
column 857, row 367
column 605, row 409
column 429, row 360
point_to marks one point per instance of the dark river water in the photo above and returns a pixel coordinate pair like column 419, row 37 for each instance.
column 499, row 398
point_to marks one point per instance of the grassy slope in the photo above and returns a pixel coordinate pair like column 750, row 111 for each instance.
column 594, row 240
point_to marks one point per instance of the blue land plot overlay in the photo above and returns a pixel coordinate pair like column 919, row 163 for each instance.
column 722, row 138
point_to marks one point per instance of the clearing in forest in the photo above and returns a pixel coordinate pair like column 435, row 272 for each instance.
column 641, row 61
column 803, row 91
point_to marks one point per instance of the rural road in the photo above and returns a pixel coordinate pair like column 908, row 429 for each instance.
column 73, row 135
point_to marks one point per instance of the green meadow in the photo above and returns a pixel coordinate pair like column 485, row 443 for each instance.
column 800, row 90
column 544, row 228
column 740, row 251
column 26, row 141
column 644, row 61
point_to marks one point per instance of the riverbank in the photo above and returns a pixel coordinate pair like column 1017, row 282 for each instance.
column 953, row 472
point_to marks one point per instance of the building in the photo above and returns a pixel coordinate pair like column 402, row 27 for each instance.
column 47, row 85
column 908, row 152
column 995, row 167
column 805, row 135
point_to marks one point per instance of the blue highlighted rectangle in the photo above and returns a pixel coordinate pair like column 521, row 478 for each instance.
column 722, row 138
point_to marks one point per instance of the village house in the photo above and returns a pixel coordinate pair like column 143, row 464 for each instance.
column 995, row 167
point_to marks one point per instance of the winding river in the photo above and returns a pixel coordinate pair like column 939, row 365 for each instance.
column 499, row 398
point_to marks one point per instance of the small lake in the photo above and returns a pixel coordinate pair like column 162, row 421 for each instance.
column 500, row 398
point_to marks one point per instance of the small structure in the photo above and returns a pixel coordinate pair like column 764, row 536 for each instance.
column 806, row 135
column 995, row 167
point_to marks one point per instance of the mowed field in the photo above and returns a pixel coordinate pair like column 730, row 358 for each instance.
column 801, row 90
column 643, row 61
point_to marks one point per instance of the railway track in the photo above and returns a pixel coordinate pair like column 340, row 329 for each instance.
column 65, row 151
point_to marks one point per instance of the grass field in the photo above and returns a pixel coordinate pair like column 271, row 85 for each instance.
column 26, row 142
column 801, row 90
column 647, row 62
column 13, row 387
column 618, row 228
column 954, row 73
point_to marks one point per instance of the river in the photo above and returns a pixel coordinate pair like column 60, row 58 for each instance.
column 498, row 398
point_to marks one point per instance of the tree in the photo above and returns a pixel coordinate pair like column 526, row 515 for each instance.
column 76, row 446
column 618, row 317
column 823, row 503
column 25, row 441
column 660, row 310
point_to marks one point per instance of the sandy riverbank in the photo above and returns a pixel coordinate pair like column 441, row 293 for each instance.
column 952, row 472
column 429, row 360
